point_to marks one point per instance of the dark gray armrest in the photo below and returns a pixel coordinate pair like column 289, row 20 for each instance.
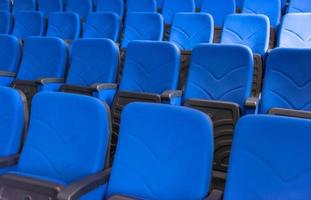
column 103, row 86
column 80, row 188
column 215, row 195
column 9, row 161
column 49, row 80
column 252, row 103
column 7, row 74
column 290, row 113
column 171, row 94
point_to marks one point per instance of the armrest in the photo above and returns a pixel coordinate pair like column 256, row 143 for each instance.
column 252, row 102
column 80, row 188
column 97, row 87
column 9, row 161
column 215, row 195
column 172, row 97
column 290, row 113
column 7, row 74
column 49, row 81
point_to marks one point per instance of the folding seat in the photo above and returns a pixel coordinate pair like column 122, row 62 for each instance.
column 94, row 68
column 6, row 22
column 9, row 58
column 270, row 159
column 65, row 25
column 48, row 6
column 28, row 23
column 299, row 6
column 141, row 6
column 219, row 10
column 82, row 7
column 187, row 31
column 287, row 82
column 65, row 149
column 13, row 126
column 5, row 5
column 150, row 74
column 219, row 84
column 43, row 65
column 103, row 25
column 294, row 31
column 24, row 5
column 252, row 31
column 148, row 149
column 116, row 6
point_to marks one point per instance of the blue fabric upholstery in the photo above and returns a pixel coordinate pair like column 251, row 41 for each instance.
column 150, row 67
column 5, row 5
column 24, row 5
column 250, row 30
column 141, row 6
column 219, row 9
column 93, row 61
column 171, row 7
column 216, row 74
column 102, row 25
column 43, row 57
column 190, row 29
column 5, row 22
column 28, row 23
column 151, row 163
column 47, row 6
column 270, row 8
column 287, row 82
column 65, row 25
column 295, row 32
column 299, row 6
column 81, row 7
column 270, row 159
column 11, row 54
column 116, row 6
column 66, row 146
column 143, row 26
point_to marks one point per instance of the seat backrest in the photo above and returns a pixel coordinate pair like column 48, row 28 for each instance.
column 116, row 6
column 218, row 9
column 141, row 6
column 294, row 31
column 5, row 5
column 171, row 7
column 6, row 22
column 190, row 29
column 66, row 146
column 299, row 6
column 148, row 149
column 150, row 67
column 270, row 8
column 250, row 30
column 287, row 82
column 13, row 114
column 10, row 53
column 93, row 61
column 274, row 151
column 28, row 23
column 143, row 26
column 216, row 74
column 43, row 57
column 65, row 25
column 24, row 5
column 82, row 7
column 47, row 6
column 102, row 25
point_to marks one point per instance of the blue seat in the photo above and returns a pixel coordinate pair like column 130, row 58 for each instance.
column 10, row 55
column 148, row 150
column 287, row 81
column 102, row 25
column 48, row 6
column 143, row 26
column 270, row 8
column 299, row 6
column 57, row 153
column 116, row 6
column 294, row 31
column 270, row 159
column 82, row 7
column 171, row 7
column 13, row 117
column 6, row 22
column 141, row 6
column 28, row 23
column 5, row 5
column 249, row 30
column 24, row 5
column 65, row 25
column 190, row 29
